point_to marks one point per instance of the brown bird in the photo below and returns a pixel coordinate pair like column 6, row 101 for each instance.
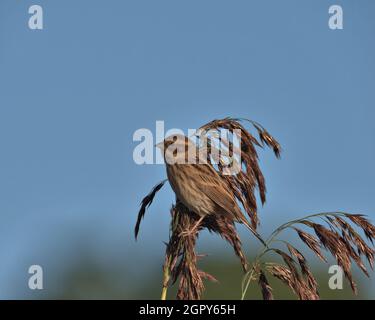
column 198, row 185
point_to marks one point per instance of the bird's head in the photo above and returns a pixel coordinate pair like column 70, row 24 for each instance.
column 176, row 148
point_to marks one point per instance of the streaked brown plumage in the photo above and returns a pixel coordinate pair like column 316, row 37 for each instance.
column 198, row 185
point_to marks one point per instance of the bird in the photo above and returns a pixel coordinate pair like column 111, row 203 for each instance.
column 197, row 184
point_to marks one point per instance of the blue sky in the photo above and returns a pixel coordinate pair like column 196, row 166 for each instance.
column 72, row 95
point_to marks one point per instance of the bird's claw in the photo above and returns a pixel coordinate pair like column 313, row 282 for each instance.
column 187, row 233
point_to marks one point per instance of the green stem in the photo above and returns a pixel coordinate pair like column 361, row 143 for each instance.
column 166, row 277
column 271, row 238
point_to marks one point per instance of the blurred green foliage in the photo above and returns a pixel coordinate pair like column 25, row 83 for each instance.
column 88, row 280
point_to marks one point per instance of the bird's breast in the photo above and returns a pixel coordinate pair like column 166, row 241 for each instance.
column 183, row 183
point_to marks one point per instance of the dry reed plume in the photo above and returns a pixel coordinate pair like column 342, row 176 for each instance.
column 207, row 198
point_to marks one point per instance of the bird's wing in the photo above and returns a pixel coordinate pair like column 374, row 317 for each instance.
column 212, row 185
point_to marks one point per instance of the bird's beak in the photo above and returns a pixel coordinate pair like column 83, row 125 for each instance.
column 160, row 145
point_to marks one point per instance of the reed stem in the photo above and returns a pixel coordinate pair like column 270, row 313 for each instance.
column 166, row 277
